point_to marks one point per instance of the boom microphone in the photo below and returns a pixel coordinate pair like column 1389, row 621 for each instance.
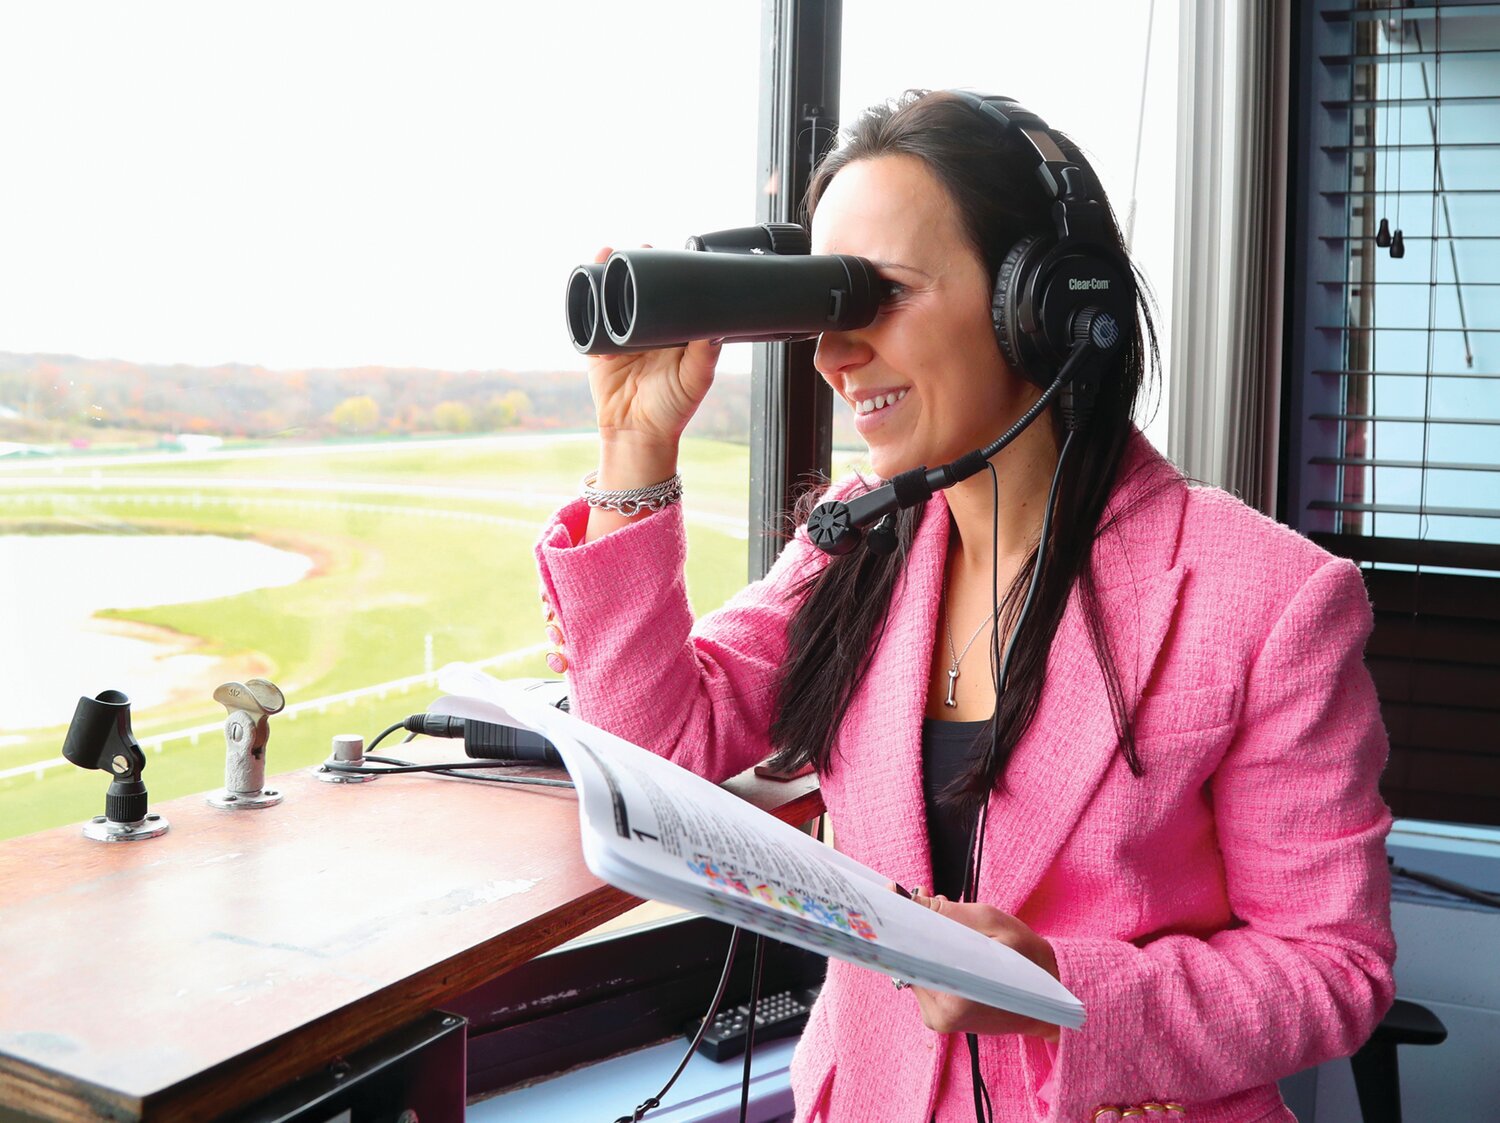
column 837, row 526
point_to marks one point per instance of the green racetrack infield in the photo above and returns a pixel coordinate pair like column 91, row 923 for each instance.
column 391, row 568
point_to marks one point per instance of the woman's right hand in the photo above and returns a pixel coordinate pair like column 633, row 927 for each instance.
column 643, row 402
column 646, row 399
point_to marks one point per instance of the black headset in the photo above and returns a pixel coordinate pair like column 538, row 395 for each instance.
column 1047, row 279
column 1060, row 301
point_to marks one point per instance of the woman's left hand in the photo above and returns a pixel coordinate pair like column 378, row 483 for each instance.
column 947, row 1013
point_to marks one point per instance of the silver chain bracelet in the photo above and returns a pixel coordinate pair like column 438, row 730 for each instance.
column 634, row 500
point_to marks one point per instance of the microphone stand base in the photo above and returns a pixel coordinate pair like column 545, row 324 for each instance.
column 244, row 801
column 101, row 829
column 329, row 776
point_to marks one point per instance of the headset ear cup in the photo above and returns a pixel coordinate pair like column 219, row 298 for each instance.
column 1005, row 302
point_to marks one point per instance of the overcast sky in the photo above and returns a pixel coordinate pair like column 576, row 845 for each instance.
column 331, row 183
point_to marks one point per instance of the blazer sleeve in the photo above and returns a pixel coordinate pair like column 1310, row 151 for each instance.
column 1305, row 976
column 702, row 694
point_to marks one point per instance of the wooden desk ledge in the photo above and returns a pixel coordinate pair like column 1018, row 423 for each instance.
column 179, row 977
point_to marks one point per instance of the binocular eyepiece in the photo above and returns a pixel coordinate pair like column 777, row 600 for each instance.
column 746, row 285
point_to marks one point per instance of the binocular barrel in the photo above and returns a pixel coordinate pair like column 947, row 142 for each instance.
column 585, row 324
column 741, row 290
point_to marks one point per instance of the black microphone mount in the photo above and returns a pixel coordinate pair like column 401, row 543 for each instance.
column 836, row 526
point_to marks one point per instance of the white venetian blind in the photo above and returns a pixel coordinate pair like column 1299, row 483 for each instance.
column 1407, row 308
column 1392, row 453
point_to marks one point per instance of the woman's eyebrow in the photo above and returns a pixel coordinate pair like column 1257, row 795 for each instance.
column 880, row 263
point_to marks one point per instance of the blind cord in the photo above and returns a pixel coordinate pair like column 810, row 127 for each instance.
column 1140, row 128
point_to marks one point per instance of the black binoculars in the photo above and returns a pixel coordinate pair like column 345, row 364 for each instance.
column 752, row 284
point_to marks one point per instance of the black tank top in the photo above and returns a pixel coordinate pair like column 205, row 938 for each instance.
column 949, row 750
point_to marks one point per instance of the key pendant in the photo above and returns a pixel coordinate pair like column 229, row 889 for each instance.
column 952, row 682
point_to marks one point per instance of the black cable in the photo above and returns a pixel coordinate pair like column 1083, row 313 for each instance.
column 387, row 732
column 391, row 766
column 971, row 859
column 984, row 1111
column 394, row 764
column 989, row 450
column 1041, row 550
column 755, row 974
column 995, row 581
column 835, row 525
column 976, row 841
column 652, row 1102
column 440, row 726
column 495, row 744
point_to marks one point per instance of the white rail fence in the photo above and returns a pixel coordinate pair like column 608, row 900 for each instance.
column 315, row 705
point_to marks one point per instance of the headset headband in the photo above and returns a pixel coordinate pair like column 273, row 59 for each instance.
column 1075, row 212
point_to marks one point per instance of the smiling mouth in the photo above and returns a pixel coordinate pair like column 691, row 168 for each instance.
column 878, row 402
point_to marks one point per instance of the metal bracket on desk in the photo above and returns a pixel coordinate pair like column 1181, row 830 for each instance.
column 348, row 748
column 247, row 730
column 415, row 1074
column 101, row 829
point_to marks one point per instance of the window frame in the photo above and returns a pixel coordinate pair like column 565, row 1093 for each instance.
column 599, row 997
column 791, row 408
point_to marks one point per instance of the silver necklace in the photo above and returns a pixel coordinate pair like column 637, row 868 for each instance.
column 959, row 656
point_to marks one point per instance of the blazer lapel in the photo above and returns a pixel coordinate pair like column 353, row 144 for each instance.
column 1072, row 741
column 1062, row 759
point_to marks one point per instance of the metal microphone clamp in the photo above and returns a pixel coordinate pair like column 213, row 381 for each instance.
column 247, row 730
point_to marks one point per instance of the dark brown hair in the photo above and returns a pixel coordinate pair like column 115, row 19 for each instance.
column 836, row 631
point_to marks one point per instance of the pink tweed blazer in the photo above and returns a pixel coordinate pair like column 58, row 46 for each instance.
column 1225, row 919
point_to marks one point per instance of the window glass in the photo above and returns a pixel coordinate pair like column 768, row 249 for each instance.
column 1080, row 66
column 285, row 389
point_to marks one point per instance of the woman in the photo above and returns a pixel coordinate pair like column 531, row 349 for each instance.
column 1181, row 819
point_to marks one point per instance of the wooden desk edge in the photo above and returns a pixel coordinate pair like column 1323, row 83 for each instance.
column 236, row 1083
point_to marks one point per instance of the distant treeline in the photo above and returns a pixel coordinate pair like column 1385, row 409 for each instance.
column 45, row 399
column 51, row 398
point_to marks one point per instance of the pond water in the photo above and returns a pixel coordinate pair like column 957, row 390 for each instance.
column 53, row 650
